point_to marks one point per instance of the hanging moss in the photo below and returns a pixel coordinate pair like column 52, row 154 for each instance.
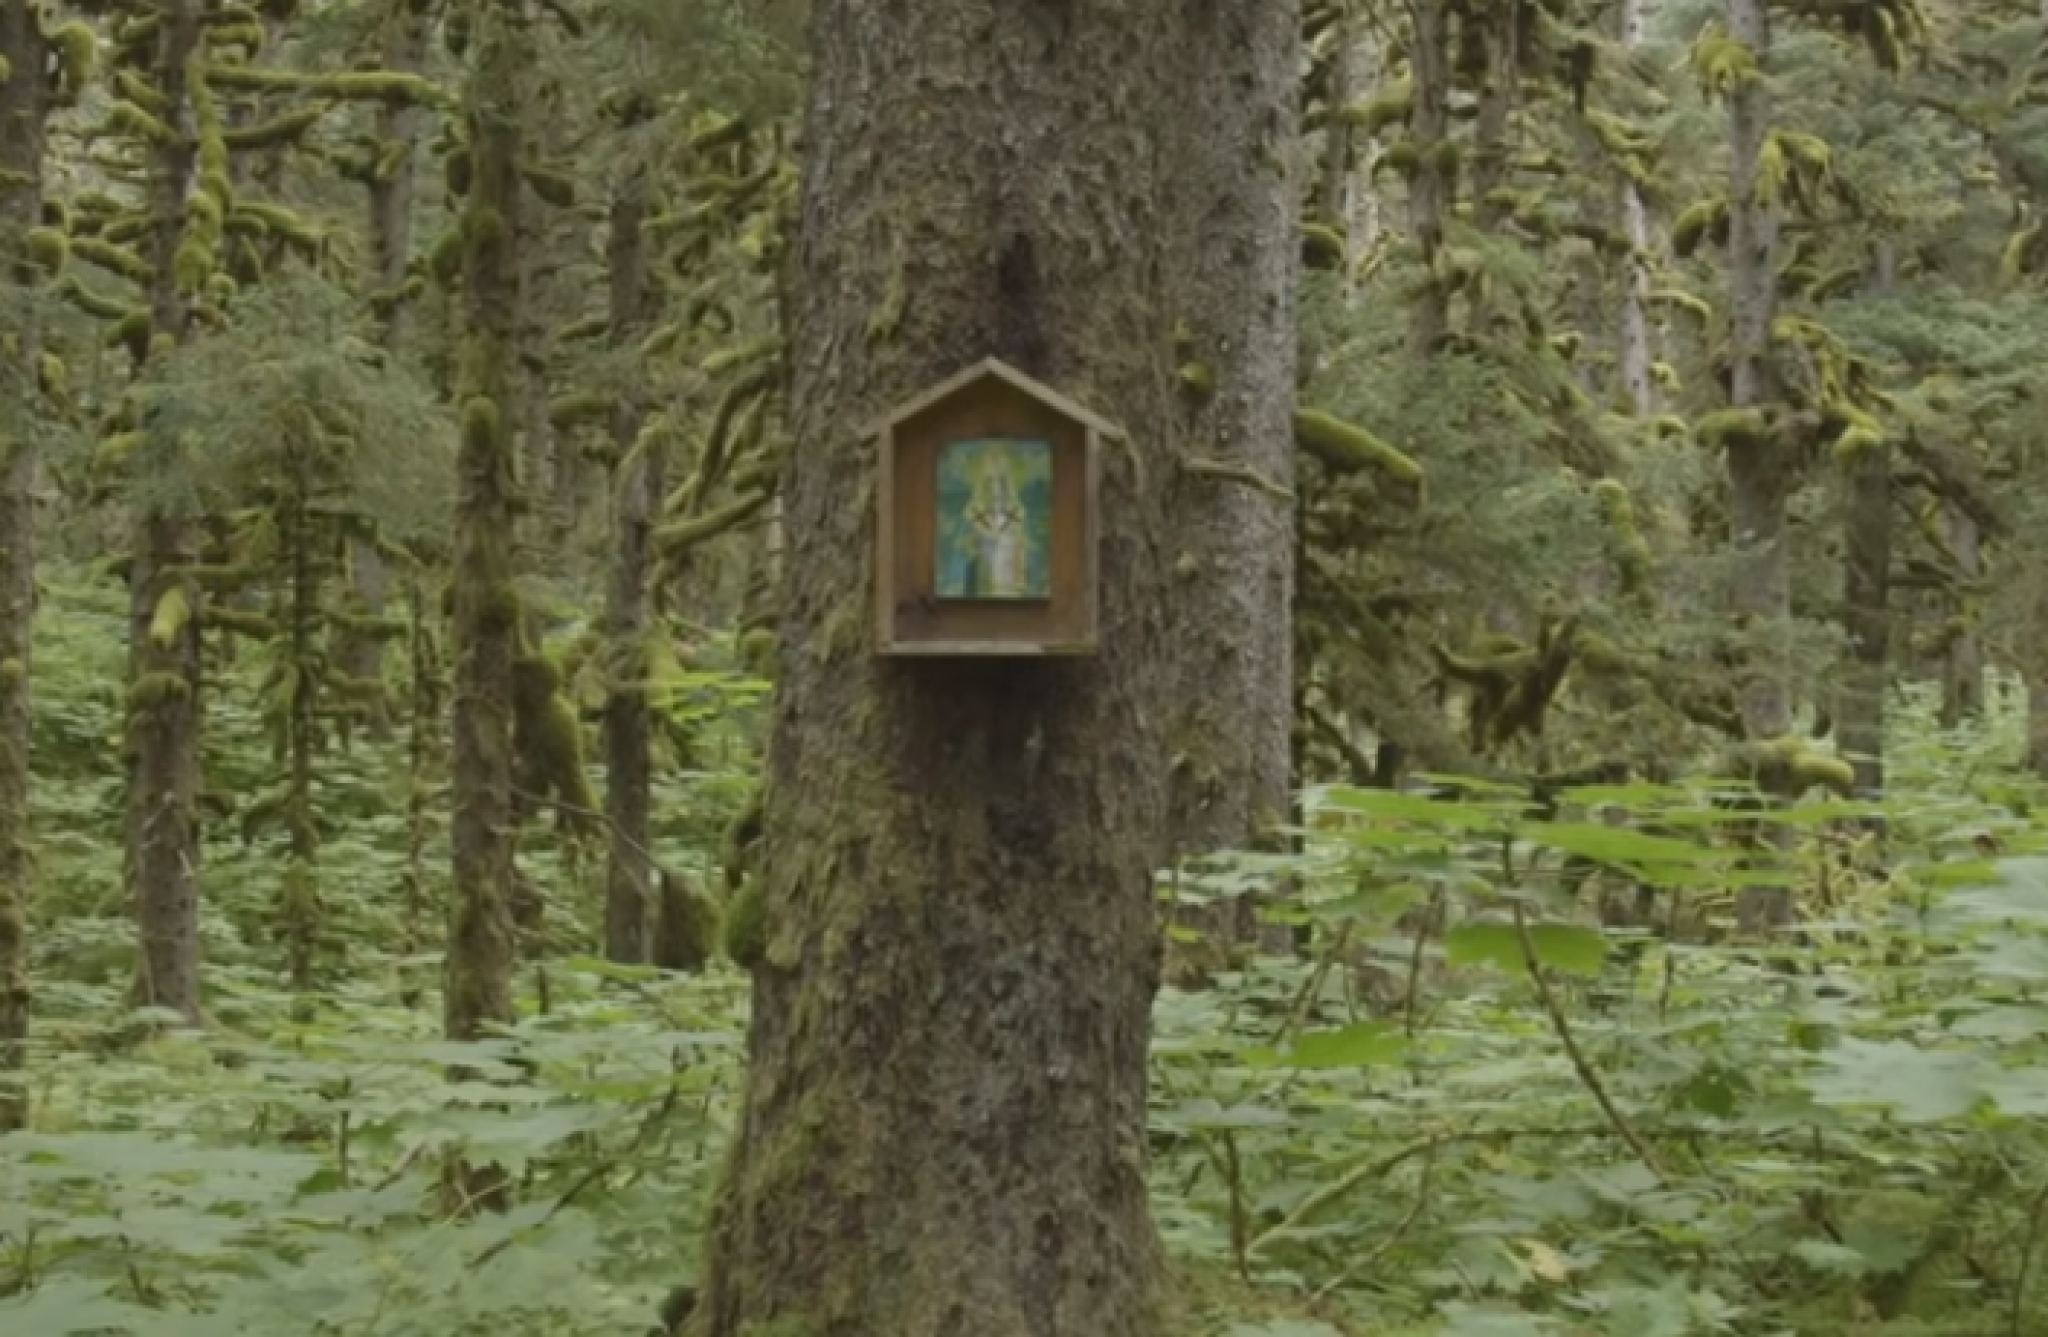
column 555, row 187
column 683, row 535
column 77, row 56
column 746, row 927
column 1632, row 553
column 48, row 247
column 1322, row 247
column 132, row 333
column 243, row 40
column 1393, row 106
column 1721, row 61
column 396, row 89
column 1733, row 427
column 685, row 925
column 1705, row 221
column 457, row 170
column 289, row 128
column 547, row 740
column 579, row 407
column 1787, row 767
column 131, row 119
column 116, row 259
column 1344, row 448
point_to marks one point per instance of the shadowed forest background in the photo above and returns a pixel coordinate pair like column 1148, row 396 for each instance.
column 1642, row 932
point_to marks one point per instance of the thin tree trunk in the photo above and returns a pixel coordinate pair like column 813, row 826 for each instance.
column 1859, row 717
column 2034, row 673
column 391, row 191
column 1346, row 199
column 944, row 1124
column 1866, row 594
column 1759, row 474
column 21, row 175
column 1962, row 679
column 486, row 613
column 163, row 627
column 1759, row 481
column 1637, row 354
column 1431, row 186
column 629, row 873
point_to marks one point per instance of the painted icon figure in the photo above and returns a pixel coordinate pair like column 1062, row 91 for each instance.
column 994, row 527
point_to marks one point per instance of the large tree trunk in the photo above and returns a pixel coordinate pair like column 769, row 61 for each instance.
column 21, row 175
column 944, row 1124
column 163, row 615
column 485, row 626
column 629, row 873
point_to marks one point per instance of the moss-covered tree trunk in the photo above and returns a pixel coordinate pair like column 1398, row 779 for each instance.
column 629, row 873
column 163, row 626
column 1962, row 678
column 943, row 1130
column 1866, row 593
column 1866, row 613
column 21, row 172
column 1432, row 180
column 1637, row 353
column 391, row 187
column 1234, row 301
column 484, row 632
column 1760, row 478
column 2034, row 677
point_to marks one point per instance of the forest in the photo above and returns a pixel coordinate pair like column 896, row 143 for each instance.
column 1538, row 827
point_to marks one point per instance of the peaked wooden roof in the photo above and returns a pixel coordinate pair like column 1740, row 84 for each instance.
column 1002, row 371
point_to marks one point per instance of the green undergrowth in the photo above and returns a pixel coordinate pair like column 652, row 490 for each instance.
column 1539, row 1120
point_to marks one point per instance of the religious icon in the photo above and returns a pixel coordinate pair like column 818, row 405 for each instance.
column 995, row 519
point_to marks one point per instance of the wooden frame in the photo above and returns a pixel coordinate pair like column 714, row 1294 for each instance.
column 986, row 528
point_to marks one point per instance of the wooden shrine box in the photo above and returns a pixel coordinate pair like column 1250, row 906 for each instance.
column 986, row 527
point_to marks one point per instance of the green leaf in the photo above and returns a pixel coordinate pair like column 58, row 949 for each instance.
column 1619, row 844
column 1827, row 1256
column 1916, row 1085
column 65, row 1306
column 1362, row 1045
column 1568, row 947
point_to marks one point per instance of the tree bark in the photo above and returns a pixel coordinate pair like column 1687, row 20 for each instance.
column 629, row 872
column 1234, row 296
column 1432, row 184
column 486, row 612
column 1866, row 593
column 21, row 174
column 1962, row 679
column 1866, row 614
column 391, row 190
column 944, row 1124
column 1759, row 481
column 164, row 659
column 1759, row 473
column 1637, row 354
